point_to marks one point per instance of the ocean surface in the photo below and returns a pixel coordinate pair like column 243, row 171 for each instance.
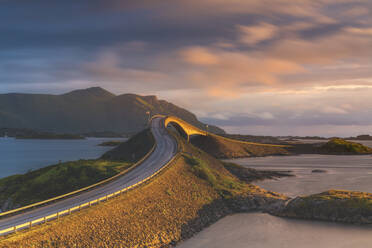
column 258, row 230
column 18, row 156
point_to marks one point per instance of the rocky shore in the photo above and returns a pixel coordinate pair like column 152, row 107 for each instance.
column 250, row 175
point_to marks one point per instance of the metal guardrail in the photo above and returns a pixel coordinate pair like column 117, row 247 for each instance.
column 75, row 208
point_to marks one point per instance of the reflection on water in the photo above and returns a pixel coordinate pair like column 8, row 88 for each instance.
column 257, row 230
column 19, row 156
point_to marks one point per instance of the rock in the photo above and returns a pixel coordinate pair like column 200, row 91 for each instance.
column 318, row 171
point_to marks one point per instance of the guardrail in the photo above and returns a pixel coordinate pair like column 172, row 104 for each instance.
column 75, row 208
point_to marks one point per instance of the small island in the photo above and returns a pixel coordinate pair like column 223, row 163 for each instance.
column 342, row 147
column 335, row 146
column 333, row 205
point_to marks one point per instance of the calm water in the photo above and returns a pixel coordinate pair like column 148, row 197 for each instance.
column 19, row 156
column 257, row 230
column 342, row 172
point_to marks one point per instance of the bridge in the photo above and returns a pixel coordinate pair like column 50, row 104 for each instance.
column 184, row 127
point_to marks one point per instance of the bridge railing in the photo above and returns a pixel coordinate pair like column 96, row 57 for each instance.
column 75, row 208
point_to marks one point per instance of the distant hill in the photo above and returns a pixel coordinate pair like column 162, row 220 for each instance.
column 87, row 110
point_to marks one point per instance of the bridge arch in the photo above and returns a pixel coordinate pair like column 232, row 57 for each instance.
column 182, row 126
column 187, row 128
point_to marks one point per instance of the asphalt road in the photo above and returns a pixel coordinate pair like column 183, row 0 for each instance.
column 166, row 148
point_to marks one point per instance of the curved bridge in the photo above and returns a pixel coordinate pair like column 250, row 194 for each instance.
column 183, row 126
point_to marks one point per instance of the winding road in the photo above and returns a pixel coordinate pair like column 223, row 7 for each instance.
column 166, row 148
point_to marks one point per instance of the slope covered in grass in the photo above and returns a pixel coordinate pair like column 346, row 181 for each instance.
column 220, row 147
column 192, row 193
column 54, row 180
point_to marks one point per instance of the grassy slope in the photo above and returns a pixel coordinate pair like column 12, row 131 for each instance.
column 55, row 180
column 224, row 148
column 195, row 191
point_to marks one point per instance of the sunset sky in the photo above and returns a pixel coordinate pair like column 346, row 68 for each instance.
column 269, row 67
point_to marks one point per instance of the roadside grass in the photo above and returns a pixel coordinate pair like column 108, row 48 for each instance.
column 226, row 186
column 54, row 180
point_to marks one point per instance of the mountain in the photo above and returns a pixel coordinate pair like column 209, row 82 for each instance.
column 87, row 110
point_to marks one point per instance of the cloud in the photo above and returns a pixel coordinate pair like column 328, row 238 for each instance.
column 199, row 56
column 252, row 35
column 261, row 63
column 333, row 110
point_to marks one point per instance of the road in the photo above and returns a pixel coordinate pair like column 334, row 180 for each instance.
column 165, row 150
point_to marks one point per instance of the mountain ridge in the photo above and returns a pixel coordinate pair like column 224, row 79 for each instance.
column 87, row 110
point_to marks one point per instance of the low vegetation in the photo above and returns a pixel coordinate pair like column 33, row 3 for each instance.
column 54, row 180
column 192, row 193
column 340, row 146
column 224, row 184
column 333, row 205
column 223, row 148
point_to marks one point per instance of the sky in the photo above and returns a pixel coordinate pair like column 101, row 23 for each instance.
column 264, row 67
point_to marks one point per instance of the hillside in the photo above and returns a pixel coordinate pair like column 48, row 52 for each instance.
column 88, row 110
column 223, row 148
column 194, row 192
column 133, row 149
